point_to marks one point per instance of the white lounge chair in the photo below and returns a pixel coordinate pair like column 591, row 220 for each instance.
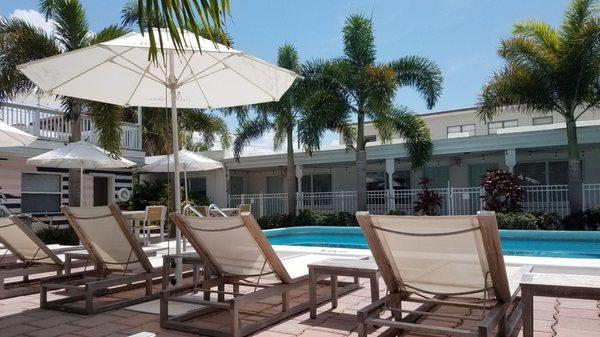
column 438, row 262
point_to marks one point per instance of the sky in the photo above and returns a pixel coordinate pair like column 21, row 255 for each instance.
column 460, row 36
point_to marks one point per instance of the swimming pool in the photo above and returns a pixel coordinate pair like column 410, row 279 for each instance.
column 514, row 242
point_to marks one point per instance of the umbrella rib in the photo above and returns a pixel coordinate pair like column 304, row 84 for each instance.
column 152, row 76
column 245, row 78
column 138, row 84
column 85, row 72
column 187, row 64
column 194, row 76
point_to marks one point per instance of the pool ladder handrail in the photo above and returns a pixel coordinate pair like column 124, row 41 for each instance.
column 193, row 209
column 216, row 208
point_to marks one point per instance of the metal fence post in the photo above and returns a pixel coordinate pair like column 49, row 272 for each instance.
column 343, row 201
column 260, row 201
column 449, row 200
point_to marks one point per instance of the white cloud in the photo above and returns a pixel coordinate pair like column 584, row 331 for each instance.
column 35, row 18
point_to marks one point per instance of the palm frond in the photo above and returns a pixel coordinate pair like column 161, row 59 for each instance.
column 70, row 22
column 576, row 15
column 109, row 33
column 415, row 133
column 20, row 42
column 194, row 15
column 208, row 126
column 359, row 43
column 107, row 119
column 528, row 53
column 422, row 74
column 378, row 88
column 541, row 32
column 247, row 132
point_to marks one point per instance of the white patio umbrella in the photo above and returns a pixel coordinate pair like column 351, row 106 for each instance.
column 81, row 155
column 11, row 136
column 189, row 161
column 204, row 75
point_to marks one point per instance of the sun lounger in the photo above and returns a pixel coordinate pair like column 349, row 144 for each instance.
column 121, row 263
column 441, row 263
column 239, row 257
column 28, row 257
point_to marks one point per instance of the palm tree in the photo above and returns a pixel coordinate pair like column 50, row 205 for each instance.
column 356, row 84
column 20, row 42
column 551, row 69
column 203, row 18
column 282, row 118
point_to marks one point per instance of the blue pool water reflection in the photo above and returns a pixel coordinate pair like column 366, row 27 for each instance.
column 514, row 242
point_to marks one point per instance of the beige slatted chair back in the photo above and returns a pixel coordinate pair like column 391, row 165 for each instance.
column 233, row 246
column 22, row 242
column 155, row 214
column 456, row 256
column 105, row 234
column 245, row 208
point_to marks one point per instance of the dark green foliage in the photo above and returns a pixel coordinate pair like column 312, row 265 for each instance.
column 396, row 212
column 308, row 217
column 588, row 220
column 502, row 192
column 428, row 201
column 147, row 193
column 516, row 221
column 547, row 221
column 55, row 235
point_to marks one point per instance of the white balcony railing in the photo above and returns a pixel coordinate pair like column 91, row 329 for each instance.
column 48, row 124
column 455, row 200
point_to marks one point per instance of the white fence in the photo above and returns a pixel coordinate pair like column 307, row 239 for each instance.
column 455, row 200
column 50, row 124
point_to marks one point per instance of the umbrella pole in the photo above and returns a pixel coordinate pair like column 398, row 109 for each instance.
column 81, row 185
column 176, row 182
column 185, row 185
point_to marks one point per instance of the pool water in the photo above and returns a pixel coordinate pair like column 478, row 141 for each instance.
column 514, row 242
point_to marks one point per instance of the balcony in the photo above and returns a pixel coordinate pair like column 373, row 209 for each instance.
column 51, row 125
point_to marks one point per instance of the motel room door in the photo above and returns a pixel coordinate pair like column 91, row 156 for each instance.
column 97, row 190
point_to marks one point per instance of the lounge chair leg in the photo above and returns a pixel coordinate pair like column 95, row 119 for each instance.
column 89, row 301
column 149, row 286
column 502, row 332
column 236, row 290
column 221, row 288
column 235, row 321
column 285, row 300
column 2, row 288
column 361, row 326
column 334, row 285
column 164, row 308
column 43, row 295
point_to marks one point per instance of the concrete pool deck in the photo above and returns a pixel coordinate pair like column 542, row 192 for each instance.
column 21, row 316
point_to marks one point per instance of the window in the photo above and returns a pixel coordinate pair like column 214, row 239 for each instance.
column 40, row 193
column 467, row 128
column 317, row 183
column 371, row 138
column 236, row 185
column 375, row 181
column 493, row 127
column 477, row 171
column 439, row 176
column 197, row 187
column 543, row 173
column 275, row 184
column 543, row 120
column 401, row 180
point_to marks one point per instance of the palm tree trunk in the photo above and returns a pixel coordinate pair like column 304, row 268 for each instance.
column 75, row 183
column 361, row 165
column 575, row 178
column 291, row 174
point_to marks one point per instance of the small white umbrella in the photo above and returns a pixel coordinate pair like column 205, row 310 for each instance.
column 81, row 155
column 11, row 136
column 204, row 75
column 190, row 162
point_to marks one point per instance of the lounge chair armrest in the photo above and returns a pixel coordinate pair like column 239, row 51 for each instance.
column 173, row 291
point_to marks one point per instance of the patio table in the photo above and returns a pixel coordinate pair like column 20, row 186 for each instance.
column 584, row 287
column 341, row 267
column 137, row 222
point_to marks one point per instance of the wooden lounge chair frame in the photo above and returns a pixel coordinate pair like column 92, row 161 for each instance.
column 106, row 281
column 504, row 312
column 25, row 267
column 236, row 303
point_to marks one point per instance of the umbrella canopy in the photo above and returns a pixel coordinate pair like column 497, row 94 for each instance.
column 11, row 136
column 81, row 155
column 119, row 72
column 189, row 161
column 204, row 75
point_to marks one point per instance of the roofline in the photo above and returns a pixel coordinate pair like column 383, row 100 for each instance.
column 444, row 112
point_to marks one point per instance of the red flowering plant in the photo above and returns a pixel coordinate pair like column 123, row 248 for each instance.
column 502, row 192
column 428, row 201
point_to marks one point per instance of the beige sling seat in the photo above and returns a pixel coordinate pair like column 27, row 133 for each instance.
column 121, row 263
column 28, row 257
column 246, row 272
column 441, row 262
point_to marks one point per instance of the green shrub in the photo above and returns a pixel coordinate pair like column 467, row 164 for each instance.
column 396, row 212
column 588, row 220
column 273, row 221
column 516, row 221
column 308, row 217
column 547, row 221
column 55, row 235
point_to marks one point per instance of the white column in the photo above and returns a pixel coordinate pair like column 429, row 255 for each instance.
column 510, row 159
column 390, row 168
column 300, row 201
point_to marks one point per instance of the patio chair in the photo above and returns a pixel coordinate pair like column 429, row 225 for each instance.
column 445, row 264
column 247, row 273
column 121, row 262
column 29, row 257
column 155, row 220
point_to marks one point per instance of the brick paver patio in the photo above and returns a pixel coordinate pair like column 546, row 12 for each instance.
column 21, row 316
